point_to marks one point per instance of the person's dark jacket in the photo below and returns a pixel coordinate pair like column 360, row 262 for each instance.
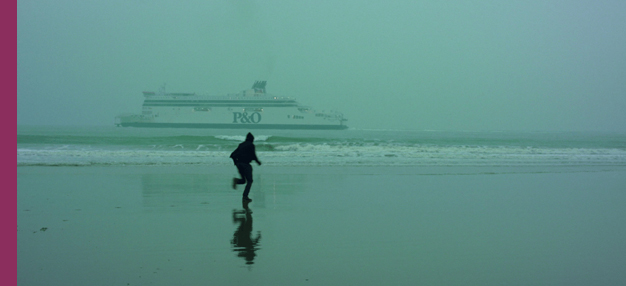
column 245, row 152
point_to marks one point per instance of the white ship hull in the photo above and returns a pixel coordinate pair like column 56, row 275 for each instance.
column 251, row 109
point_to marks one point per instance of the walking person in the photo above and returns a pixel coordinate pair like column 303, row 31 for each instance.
column 242, row 156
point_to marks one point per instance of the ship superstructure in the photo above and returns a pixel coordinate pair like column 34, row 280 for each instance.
column 250, row 109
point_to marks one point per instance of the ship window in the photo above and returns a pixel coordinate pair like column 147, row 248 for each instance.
column 305, row 110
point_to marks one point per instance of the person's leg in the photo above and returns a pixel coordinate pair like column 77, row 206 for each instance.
column 247, row 175
column 242, row 171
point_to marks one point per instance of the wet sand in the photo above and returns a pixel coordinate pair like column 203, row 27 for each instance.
column 321, row 226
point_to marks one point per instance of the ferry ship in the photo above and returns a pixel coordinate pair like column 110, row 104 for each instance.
column 250, row 109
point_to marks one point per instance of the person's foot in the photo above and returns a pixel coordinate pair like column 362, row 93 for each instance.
column 247, row 200
column 234, row 183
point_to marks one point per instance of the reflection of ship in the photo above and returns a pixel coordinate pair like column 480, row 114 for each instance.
column 249, row 109
column 178, row 192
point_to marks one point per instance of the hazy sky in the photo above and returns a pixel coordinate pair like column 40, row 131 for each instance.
column 426, row 65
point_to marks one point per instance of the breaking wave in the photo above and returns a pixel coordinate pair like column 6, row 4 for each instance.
column 327, row 154
column 73, row 146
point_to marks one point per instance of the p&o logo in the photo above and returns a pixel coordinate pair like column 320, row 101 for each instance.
column 244, row 117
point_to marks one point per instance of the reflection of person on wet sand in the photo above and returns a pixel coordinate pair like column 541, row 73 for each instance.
column 242, row 241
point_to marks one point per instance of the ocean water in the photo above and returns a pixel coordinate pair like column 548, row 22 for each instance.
column 116, row 146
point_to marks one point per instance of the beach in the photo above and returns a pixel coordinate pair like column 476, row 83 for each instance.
column 311, row 225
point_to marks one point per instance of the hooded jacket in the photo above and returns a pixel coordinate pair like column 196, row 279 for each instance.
column 245, row 152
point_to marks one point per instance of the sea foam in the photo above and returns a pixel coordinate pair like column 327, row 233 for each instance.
column 328, row 154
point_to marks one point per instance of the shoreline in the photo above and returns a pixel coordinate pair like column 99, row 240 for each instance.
column 419, row 170
column 164, row 225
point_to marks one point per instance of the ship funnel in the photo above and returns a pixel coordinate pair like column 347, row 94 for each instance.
column 259, row 86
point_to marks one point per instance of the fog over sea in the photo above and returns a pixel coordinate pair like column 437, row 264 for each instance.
column 108, row 145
